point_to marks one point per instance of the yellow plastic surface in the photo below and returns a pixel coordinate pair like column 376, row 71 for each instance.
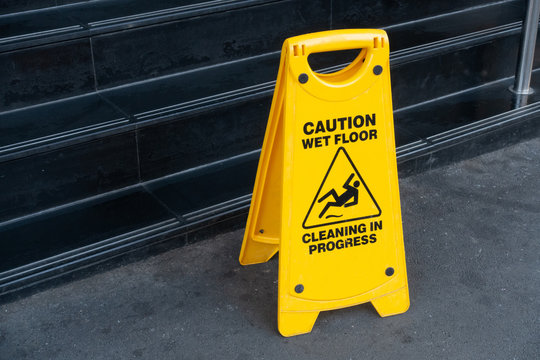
column 326, row 193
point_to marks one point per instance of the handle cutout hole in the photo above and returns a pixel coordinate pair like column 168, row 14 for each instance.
column 332, row 59
column 337, row 67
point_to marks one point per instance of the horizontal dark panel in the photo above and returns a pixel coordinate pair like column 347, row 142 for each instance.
column 214, row 196
column 401, row 36
column 100, row 13
column 451, row 25
column 208, row 186
column 36, row 126
column 14, row 6
column 464, row 109
column 173, row 97
column 404, row 137
column 70, row 2
column 68, row 229
column 368, row 14
column 45, row 73
column 35, row 27
column 144, row 100
column 187, row 44
column 194, row 141
column 57, row 177
column 518, row 129
column 61, row 23
column 151, row 96
column 48, row 24
column 429, row 78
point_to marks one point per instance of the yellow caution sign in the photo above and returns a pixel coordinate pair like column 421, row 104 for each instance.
column 326, row 193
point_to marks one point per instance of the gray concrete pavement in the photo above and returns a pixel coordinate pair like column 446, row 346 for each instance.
column 473, row 254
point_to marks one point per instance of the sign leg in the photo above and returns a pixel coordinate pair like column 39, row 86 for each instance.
column 296, row 323
column 257, row 252
column 394, row 303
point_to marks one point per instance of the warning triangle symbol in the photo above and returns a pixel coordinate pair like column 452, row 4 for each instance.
column 342, row 197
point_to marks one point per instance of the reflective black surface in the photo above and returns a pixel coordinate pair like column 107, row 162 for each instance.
column 462, row 109
column 140, row 54
column 141, row 98
column 59, row 120
column 45, row 73
column 38, row 238
column 350, row 14
column 455, row 24
column 141, row 121
column 89, row 13
column 48, row 22
column 194, row 141
column 186, row 193
column 433, row 77
column 53, row 178
column 11, row 6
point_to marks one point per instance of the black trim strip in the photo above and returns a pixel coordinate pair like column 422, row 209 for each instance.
column 77, row 31
column 40, row 34
column 62, row 263
column 172, row 14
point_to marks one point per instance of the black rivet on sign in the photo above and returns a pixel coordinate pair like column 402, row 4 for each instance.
column 303, row 78
column 377, row 70
column 261, row 231
column 299, row 288
column 389, row 271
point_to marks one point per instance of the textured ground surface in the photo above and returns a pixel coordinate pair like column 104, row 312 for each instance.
column 473, row 254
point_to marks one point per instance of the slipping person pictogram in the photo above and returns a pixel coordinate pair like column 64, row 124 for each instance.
column 338, row 201
column 351, row 192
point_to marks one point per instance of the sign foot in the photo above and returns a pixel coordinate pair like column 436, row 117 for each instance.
column 256, row 252
column 394, row 303
column 296, row 323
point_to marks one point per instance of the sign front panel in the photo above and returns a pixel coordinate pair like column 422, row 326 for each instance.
column 344, row 234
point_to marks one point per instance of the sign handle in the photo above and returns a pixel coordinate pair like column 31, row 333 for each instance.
column 349, row 82
column 334, row 40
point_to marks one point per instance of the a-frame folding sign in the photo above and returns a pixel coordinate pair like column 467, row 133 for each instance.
column 326, row 193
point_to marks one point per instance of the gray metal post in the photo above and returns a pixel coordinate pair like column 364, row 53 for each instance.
column 526, row 52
